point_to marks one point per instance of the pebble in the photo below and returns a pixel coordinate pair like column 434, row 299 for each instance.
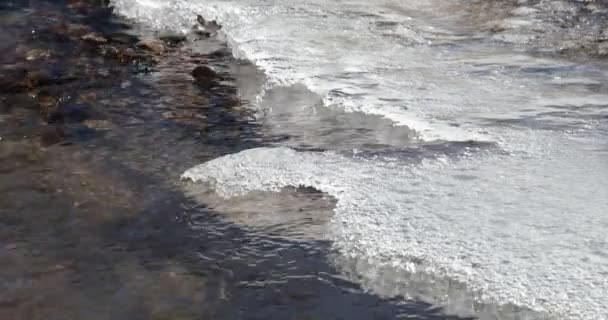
column 94, row 38
column 37, row 54
column 155, row 46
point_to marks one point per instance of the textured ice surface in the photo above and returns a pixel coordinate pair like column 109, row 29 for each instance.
column 408, row 61
column 386, row 58
column 528, row 230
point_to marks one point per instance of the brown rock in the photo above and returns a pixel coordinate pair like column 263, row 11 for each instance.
column 94, row 38
column 47, row 104
column 36, row 78
column 37, row 54
column 155, row 46
column 232, row 101
column 205, row 76
column 77, row 30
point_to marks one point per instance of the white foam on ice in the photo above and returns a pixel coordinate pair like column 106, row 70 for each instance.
column 525, row 229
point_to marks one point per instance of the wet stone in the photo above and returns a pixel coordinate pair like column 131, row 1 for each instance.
column 155, row 46
column 47, row 104
column 205, row 76
column 231, row 102
column 94, row 38
column 37, row 78
column 77, row 30
column 37, row 54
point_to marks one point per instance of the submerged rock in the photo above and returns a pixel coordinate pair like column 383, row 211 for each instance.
column 37, row 54
column 47, row 104
column 155, row 46
column 205, row 76
column 94, row 38
column 36, row 78
column 232, row 101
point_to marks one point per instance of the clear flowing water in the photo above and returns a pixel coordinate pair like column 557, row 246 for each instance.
column 467, row 159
